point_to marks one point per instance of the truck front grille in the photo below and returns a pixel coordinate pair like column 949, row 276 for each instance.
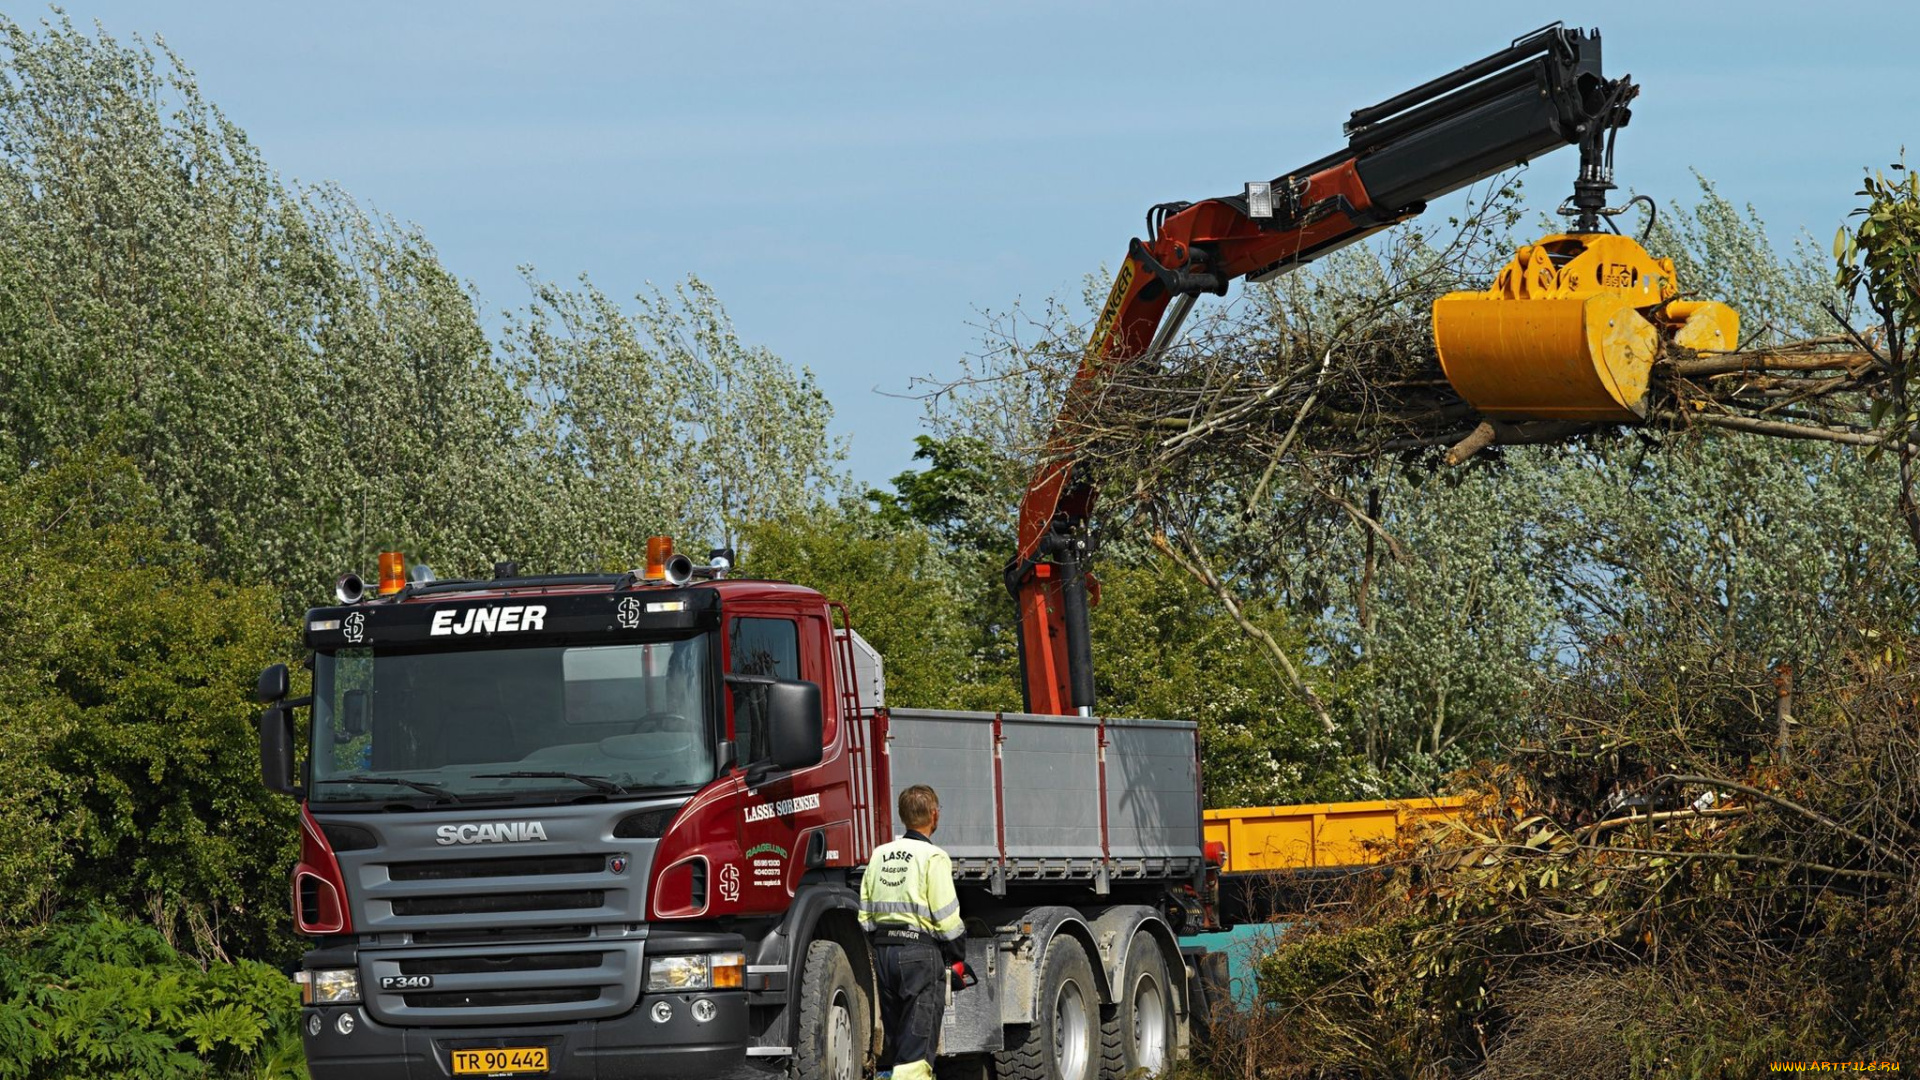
column 500, row 999
column 487, row 964
column 473, row 893
column 531, row 866
column 469, row 937
column 503, row 983
column 496, row 903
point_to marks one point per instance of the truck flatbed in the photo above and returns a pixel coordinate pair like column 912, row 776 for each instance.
column 1027, row 798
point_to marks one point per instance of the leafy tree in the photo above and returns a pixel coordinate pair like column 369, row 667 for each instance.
column 1879, row 263
column 300, row 381
column 959, row 500
column 659, row 420
column 124, row 683
column 303, row 382
column 1164, row 650
column 1442, row 631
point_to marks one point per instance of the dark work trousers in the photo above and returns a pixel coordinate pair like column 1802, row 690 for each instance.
column 913, row 997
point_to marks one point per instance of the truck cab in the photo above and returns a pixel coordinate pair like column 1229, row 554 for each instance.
column 573, row 807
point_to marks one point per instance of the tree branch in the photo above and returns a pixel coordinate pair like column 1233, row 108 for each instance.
column 1759, row 363
column 1204, row 574
column 1788, row 804
column 1773, row 427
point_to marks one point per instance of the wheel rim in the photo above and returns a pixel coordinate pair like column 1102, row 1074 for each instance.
column 1149, row 1025
column 1070, row 1028
column 840, row 1040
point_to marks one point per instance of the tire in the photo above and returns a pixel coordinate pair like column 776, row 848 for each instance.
column 1063, row 1042
column 1139, row 1040
column 835, row 1018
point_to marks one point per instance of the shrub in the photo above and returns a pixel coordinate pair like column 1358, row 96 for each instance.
column 101, row 997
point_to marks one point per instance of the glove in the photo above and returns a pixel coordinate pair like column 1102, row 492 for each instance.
column 960, row 975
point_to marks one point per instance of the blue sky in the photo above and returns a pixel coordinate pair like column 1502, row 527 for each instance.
column 857, row 180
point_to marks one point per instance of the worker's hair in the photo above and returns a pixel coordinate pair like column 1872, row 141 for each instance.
column 917, row 805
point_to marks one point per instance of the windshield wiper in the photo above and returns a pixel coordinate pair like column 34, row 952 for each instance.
column 418, row 785
column 597, row 783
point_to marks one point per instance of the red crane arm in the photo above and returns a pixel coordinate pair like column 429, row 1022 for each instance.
column 1544, row 91
column 1215, row 239
column 1220, row 238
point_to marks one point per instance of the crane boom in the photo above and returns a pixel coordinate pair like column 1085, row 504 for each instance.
column 1543, row 91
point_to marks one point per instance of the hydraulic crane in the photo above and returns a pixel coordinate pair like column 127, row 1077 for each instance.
column 1569, row 330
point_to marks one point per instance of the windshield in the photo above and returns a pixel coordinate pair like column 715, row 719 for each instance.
column 443, row 725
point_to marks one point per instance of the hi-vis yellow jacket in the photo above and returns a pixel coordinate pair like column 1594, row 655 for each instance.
column 909, row 886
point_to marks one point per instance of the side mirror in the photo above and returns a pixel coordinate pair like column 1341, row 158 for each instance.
column 353, row 712
column 273, row 685
column 794, row 732
column 276, row 749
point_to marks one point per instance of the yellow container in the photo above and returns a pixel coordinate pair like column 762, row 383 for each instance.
column 1317, row 835
column 1570, row 330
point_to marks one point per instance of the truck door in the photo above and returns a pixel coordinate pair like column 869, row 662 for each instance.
column 782, row 813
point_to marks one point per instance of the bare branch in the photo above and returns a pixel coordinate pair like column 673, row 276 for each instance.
column 1195, row 565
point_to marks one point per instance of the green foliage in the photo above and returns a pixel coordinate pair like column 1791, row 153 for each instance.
column 1759, row 920
column 303, row 383
column 1879, row 260
column 958, row 500
column 1441, row 634
column 265, row 356
column 946, row 495
column 1165, row 650
column 1880, row 257
column 1355, row 1000
column 1760, row 552
column 658, row 420
column 103, row 997
column 124, row 679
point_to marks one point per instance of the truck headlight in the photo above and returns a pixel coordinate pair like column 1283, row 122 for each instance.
column 329, row 986
column 677, row 973
column 719, row 971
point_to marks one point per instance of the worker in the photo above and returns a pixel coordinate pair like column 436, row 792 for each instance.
column 910, row 913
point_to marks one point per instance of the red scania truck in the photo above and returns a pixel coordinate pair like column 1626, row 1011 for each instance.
column 612, row 825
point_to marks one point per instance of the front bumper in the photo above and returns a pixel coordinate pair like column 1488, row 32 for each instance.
column 343, row 1042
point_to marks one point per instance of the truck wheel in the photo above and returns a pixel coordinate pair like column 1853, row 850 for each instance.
column 1062, row 1043
column 834, row 1018
column 1141, row 1034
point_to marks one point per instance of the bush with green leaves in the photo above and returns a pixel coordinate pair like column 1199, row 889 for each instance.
column 125, row 678
column 97, row 997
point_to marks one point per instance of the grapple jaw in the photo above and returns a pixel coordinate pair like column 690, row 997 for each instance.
column 1570, row 330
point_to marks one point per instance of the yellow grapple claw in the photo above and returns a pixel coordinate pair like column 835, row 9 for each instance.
column 1570, row 330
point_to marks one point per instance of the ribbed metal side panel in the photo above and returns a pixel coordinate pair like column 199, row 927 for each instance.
column 1051, row 799
column 1153, row 810
column 953, row 752
column 1052, row 780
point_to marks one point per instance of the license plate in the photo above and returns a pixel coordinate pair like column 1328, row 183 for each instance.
column 505, row 1061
